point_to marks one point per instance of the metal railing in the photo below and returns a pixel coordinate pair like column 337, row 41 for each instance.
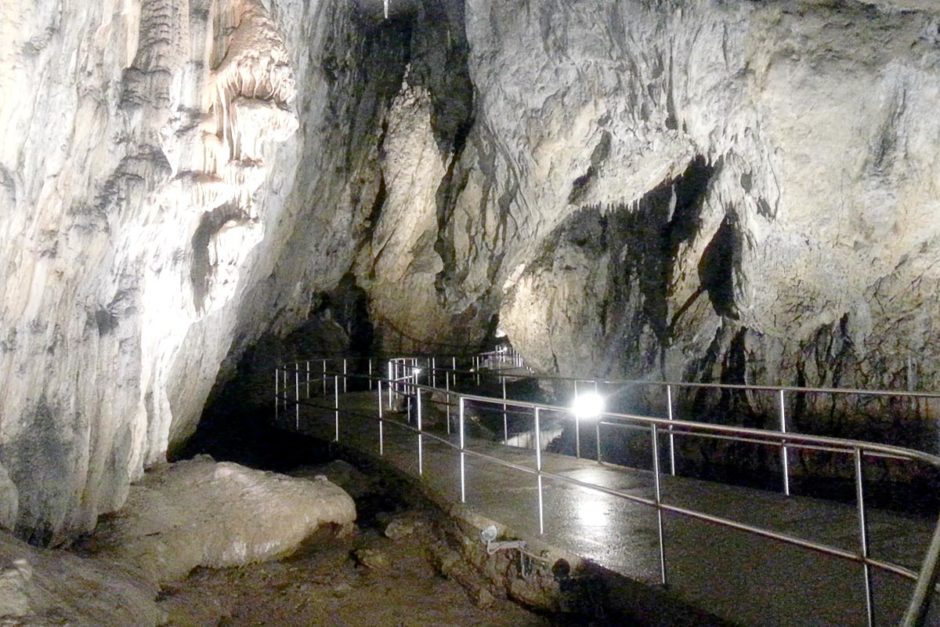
column 669, row 393
column 403, row 382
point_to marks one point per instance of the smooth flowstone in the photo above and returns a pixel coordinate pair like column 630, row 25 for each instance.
column 203, row 513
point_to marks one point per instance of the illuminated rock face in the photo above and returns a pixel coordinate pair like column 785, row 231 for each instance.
column 696, row 189
column 726, row 190
column 132, row 198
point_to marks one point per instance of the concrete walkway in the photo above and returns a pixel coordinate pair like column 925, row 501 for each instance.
column 732, row 574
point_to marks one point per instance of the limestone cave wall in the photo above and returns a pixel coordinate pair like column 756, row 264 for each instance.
column 695, row 189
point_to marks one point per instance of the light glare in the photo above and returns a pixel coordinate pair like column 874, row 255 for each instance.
column 587, row 405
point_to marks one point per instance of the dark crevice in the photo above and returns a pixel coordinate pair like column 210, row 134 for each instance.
column 716, row 268
column 663, row 220
column 200, row 272
column 582, row 184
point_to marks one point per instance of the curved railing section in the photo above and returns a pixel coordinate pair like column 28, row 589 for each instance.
column 412, row 383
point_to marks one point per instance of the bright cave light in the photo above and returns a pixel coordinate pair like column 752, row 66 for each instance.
column 587, row 405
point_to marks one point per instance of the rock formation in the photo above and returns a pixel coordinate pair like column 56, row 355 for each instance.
column 683, row 189
column 200, row 513
column 50, row 587
column 184, row 515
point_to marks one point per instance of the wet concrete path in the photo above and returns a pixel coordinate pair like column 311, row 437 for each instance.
column 733, row 574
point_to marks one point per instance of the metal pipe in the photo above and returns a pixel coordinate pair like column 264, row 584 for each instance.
column 659, row 509
column 323, row 377
column 783, row 449
column 447, row 403
column 672, row 441
column 344, row 375
column 538, row 468
column 794, row 440
column 919, row 607
column 597, row 431
column 760, row 388
column 505, row 420
column 308, row 379
column 297, row 397
column 277, row 393
column 381, row 422
column 577, row 436
column 389, row 384
column 370, row 373
column 336, row 406
column 420, row 436
column 597, row 435
column 463, row 470
column 433, row 372
column 577, row 427
column 863, row 536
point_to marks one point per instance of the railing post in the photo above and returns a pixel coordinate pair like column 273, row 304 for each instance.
column 597, row 430
column 381, row 422
column 447, row 397
column 420, row 436
column 538, row 468
column 297, row 396
column 433, row 372
column 672, row 443
column 783, row 449
column 597, row 435
column 336, row 406
column 577, row 427
column 505, row 419
column 370, row 374
column 344, row 375
column 390, row 385
column 659, row 509
column 863, row 536
column 277, row 392
column 323, row 377
column 463, row 470
column 917, row 610
column 577, row 436
column 407, row 392
column 308, row 380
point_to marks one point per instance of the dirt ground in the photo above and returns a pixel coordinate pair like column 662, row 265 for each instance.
column 364, row 578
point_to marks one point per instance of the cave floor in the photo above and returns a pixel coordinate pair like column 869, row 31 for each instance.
column 363, row 578
column 732, row 574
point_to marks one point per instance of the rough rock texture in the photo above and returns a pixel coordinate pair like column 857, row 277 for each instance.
column 9, row 501
column 202, row 513
column 752, row 186
column 684, row 189
column 45, row 587
column 143, row 218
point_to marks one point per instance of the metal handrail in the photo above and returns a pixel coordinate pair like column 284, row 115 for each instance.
column 407, row 383
column 729, row 386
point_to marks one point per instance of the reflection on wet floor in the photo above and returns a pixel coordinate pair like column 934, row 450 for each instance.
column 742, row 577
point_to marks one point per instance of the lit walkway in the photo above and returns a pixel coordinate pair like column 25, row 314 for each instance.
column 729, row 573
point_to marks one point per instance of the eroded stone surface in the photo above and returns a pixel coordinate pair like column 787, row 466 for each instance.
column 47, row 587
column 693, row 189
column 202, row 513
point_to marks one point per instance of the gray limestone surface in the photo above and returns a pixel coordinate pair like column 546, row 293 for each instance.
column 693, row 188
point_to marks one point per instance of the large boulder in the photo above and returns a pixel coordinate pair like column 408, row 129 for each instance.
column 201, row 513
